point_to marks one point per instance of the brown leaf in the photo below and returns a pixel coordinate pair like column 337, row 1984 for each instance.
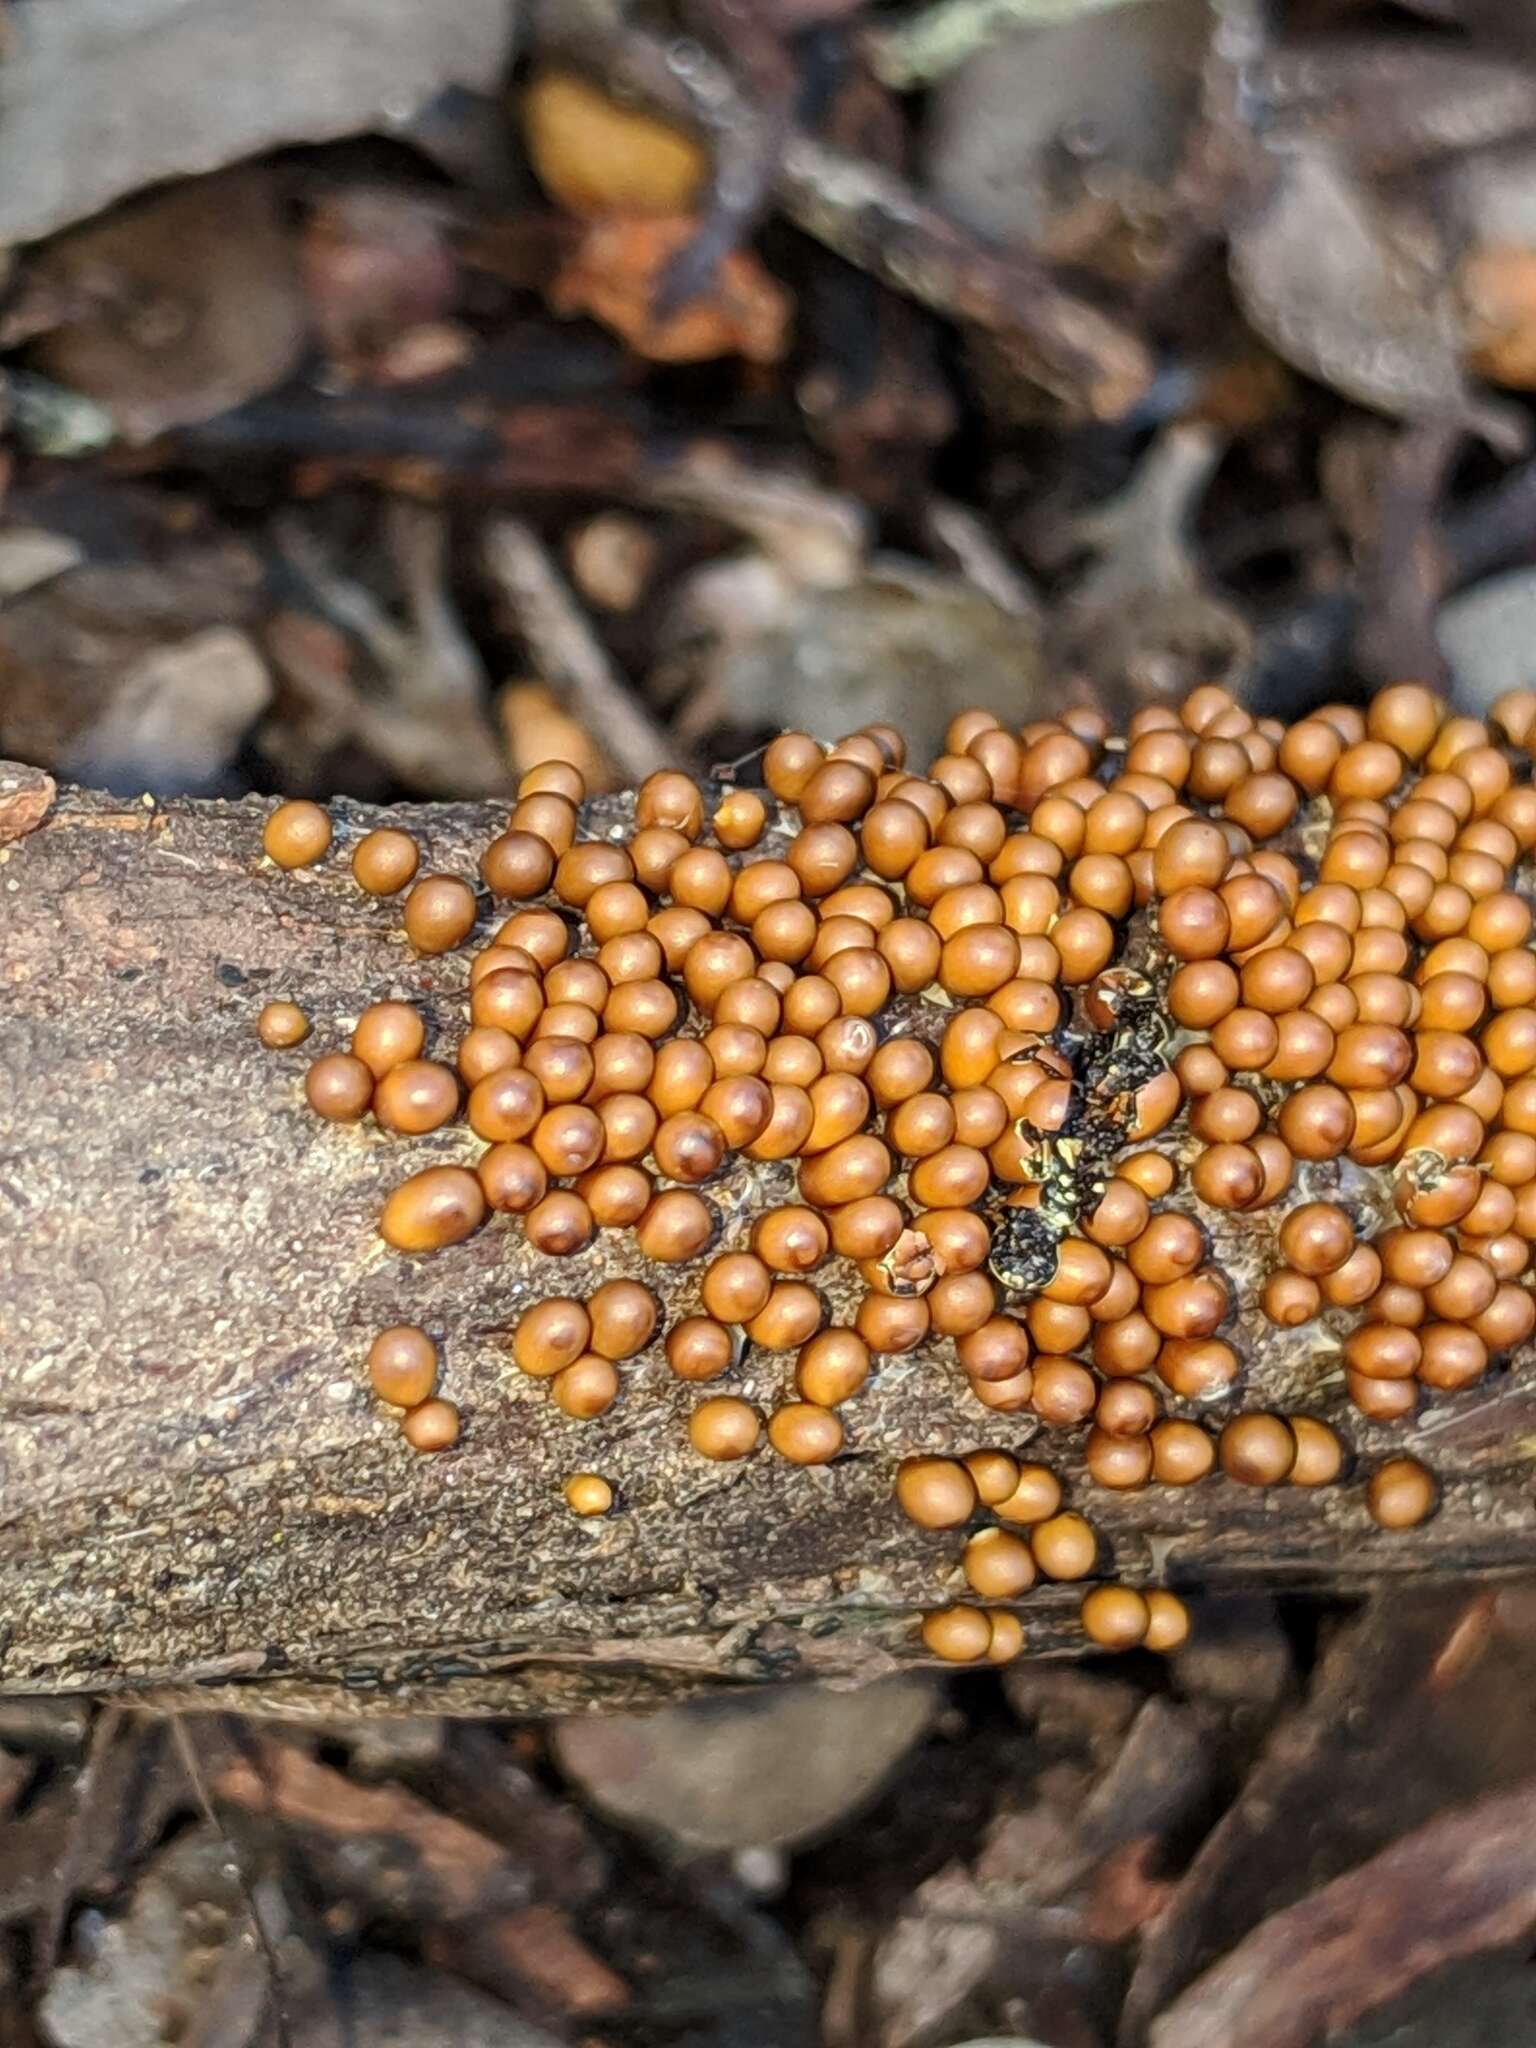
column 992, row 136
column 1464, row 1882
column 538, row 728
column 537, row 1950
column 614, row 274
column 78, row 644
column 26, row 796
column 1124, row 1895
column 377, row 268
column 1386, row 102
column 180, row 305
column 1498, row 289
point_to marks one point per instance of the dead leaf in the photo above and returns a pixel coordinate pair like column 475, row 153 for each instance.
column 376, row 267
column 594, row 155
column 430, row 350
column 460, row 1870
column 566, row 650
column 750, row 1769
column 426, row 715
column 380, row 2001
column 1124, row 1895
column 943, row 1945
column 1386, row 103
column 538, row 729
column 1354, row 291
column 1140, row 625
column 1485, row 635
column 177, row 716
column 179, row 305
column 31, row 555
column 535, row 1949
column 497, row 1780
column 99, row 98
column 26, row 796
column 1161, row 1776
column 1464, row 1882
column 68, row 646
column 612, row 557
column 1498, row 288
column 145, row 1964
column 614, row 273
column 904, row 642
column 1037, row 121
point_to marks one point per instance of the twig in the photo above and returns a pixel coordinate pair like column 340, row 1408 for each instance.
column 875, row 219
column 919, row 50
column 1403, row 578
column 468, row 1891
column 961, row 537
column 821, row 537
column 746, row 155
column 569, row 654
column 64, row 1875
column 349, row 604
column 155, row 1139
column 199, row 1784
column 432, row 721
column 426, row 445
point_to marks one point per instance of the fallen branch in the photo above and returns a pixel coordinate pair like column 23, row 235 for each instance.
column 202, row 1501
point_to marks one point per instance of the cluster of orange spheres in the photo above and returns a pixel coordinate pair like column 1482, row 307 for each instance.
column 1023, row 1027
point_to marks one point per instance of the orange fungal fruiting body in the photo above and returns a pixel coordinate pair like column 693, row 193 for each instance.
column 1017, row 1046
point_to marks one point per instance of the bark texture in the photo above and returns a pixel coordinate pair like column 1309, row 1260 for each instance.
column 200, row 1500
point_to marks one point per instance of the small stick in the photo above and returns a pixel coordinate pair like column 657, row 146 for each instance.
column 746, row 155
column 875, row 219
column 568, row 653
column 199, row 1784
column 1403, row 581
column 964, row 540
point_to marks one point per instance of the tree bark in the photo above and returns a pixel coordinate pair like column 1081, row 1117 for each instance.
column 199, row 1499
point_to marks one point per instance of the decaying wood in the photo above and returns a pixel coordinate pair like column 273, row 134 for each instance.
column 1463, row 1883
column 200, row 1500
